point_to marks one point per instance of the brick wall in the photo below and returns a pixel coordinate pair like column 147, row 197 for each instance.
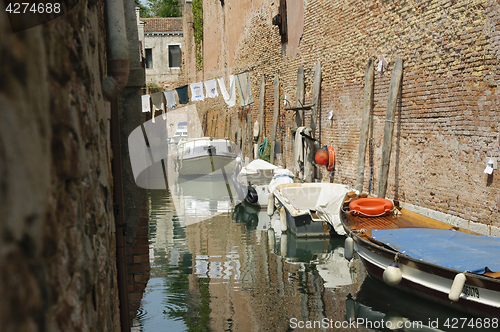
column 448, row 114
column 138, row 266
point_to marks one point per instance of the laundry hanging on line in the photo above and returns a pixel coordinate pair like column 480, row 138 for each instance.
column 158, row 104
column 197, row 92
column 146, row 103
column 229, row 98
column 211, row 88
column 182, row 93
column 242, row 79
column 170, row 98
column 167, row 98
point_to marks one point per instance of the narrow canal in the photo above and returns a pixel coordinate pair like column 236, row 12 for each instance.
column 219, row 268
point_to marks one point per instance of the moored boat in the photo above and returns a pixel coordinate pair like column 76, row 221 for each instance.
column 262, row 177
column 203, row 156
column 427, row 258
column 311, row 209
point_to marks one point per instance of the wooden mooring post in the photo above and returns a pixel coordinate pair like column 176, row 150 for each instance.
column 275, row 117
column 261, row 108
column 363, row 137
column 392, row 99
column 244, row 133
column 315, row 101
column 249, row 136
column 299, row 114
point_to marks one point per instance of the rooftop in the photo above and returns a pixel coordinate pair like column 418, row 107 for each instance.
column 162, row 24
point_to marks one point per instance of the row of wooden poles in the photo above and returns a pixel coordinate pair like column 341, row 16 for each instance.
column 394, row 89
column 246, row 133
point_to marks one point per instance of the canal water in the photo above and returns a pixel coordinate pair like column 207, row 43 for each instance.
column 215, row 267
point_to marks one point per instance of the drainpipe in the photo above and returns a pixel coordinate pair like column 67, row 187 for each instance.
column 118, row 71
column 118, row 63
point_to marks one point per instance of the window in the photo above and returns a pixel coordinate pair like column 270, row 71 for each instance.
column 149, row 58
column 174, row 56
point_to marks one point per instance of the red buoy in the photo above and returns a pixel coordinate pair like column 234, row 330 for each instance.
column 371, row 207
column 321, row 156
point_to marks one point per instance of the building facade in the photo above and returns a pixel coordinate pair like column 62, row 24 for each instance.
column 162, row 45
column 447, row 118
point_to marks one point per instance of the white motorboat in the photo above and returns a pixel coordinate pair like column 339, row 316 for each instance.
column 206, row 156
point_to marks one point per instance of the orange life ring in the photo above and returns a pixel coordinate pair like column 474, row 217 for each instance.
column 331, row 159
column 371, row 207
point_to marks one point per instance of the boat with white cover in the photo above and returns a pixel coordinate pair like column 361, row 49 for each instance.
column 311, row 209
column 262, row 177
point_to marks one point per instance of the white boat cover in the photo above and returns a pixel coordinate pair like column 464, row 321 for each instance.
column 255, row 166
column 280, row 176
column 328, row 205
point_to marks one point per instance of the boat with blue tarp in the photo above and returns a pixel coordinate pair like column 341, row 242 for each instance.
column 426, row 257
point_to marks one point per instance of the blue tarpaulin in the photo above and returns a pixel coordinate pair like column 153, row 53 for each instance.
column 448, row 248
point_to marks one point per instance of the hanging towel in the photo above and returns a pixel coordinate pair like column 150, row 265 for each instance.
column 182, row 93
column 197, row 91
column 158, row 104
column 229, row 98
column 298, row 150
column 146, row 105
column 157, row 99
column 211, row 88
column 244, row 88
column 170, row 98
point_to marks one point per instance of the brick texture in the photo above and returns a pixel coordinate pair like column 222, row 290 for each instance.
column 447, row 120
column 138, row 266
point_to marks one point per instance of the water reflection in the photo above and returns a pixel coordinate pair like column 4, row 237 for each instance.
column 229, row 271
column 377, row 302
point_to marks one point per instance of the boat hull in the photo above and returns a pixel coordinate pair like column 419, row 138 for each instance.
column 204, row 164
column 481, row 295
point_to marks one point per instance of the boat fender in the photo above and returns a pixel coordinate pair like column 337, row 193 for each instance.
column 283, row 219
column 283, row 245
column 256, row 130
column 393, row 320
column 348, row 248
column 457, row 287
column 271, row 239
column 270, row 204
column 331, row 159
column 392, row 275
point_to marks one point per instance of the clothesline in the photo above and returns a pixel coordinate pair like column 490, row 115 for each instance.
column 239, row 82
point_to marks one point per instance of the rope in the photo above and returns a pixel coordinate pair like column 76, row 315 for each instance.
column 370, row 215
column 282, row 176
column 263, row 146
column 265, row 150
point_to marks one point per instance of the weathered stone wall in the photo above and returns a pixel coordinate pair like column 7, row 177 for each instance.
column 447, row 121
column 57, row 257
